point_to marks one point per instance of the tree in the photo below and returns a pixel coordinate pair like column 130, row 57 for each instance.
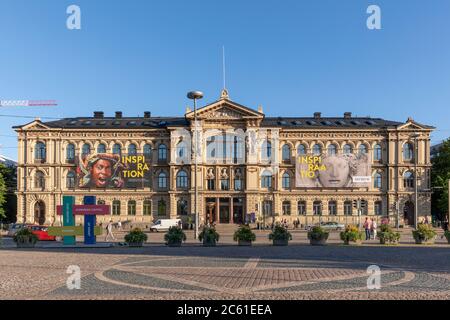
column 440, row 175
column 8, row 208
column 3, row 191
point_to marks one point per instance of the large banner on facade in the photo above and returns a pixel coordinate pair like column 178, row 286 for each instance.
column 333, row 171
column 113, row 171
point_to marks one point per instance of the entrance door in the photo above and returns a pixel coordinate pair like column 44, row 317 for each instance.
column 409, row 213
column 39, row 213
column 224, row 211
column 238, row 210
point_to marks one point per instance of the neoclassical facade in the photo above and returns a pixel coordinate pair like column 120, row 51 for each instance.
column 246, row 165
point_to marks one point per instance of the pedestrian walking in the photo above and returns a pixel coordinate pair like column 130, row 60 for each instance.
column 367, row 226
column 119, row 225
column 374, row 229
column 109, row 232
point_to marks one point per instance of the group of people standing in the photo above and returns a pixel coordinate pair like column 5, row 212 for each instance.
column 370, row 226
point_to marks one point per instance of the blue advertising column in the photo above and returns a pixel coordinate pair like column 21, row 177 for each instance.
column 68, row 218
column 89, row 222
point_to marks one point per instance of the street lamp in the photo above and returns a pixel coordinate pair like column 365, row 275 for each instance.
column 195, row 95
column 416, row 154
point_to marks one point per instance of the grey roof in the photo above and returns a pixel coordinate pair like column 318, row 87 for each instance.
column 325, row 122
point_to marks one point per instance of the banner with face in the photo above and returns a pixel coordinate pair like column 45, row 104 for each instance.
column 333, row 171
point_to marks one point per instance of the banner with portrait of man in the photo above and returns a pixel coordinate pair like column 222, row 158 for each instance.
column 113, row 171
column 333, row 171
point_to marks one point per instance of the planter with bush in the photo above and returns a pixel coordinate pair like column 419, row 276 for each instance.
column 351, row 235
column 24, row 238
column 280, row 236
column 209, row 236
column 447, row 236
column 174, row 237
column 318, row 236
column 244, row 236
column 387, row 235
column 424, row 234
column 135, row 238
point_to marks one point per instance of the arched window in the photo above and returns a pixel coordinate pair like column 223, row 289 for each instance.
column 362, row 149
column 132, row 149
column 348, row 208
column 182, row 179
column 301, row 150
column 101, row 148
column 286, row 181
column 377, row 181
column 286, row 207
column 182, row 208
column 148, row 151
column 332, row 208
column 147, row 206
column 408, row 151
column 116, row 207
column 317, row 149
column 181, row 150
column 70, row 152
column 317, row 208
column 162, row 180
column 132, row 208
column 301, row 207
column 70, row 180
column 162, row 152
column 377, row 153
column 266, row 150
column 332, row 150
column 162, row 208
column 266, row 179
column 378, row 208
column 117, row 149
column 408, row 179
column 40, row 151
column 39, row 180
column 286, row 153
column 86, row 149
column 347, row 149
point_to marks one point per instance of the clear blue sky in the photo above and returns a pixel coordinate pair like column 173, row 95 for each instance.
column 293, row 57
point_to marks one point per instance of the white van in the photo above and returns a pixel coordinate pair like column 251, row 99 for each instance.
column 165, row 224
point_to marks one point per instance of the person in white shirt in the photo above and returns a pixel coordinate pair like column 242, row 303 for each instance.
column 109, row 228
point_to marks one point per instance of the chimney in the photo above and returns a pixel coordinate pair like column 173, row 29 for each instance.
column 347, row 115
column 98, row 114
column 317, row 115
column 147, row 114
column 260, row 109
column 119, row 114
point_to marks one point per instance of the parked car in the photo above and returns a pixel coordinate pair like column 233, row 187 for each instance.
column 165, row 224
column 42, row 233
column 332, row 225
column 14, row 227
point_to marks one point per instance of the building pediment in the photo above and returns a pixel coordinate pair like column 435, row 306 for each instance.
column 225, row 109
column 34, row 125
column 413, row 125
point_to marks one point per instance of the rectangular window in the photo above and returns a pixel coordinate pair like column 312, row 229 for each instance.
column 224, row 184
column 211, row 184
column 302, row 208
column 147, row 208
column 238, row 184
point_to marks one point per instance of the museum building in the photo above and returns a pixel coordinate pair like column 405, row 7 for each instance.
column 246, row 166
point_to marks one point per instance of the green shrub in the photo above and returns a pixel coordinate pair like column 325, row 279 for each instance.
column 280, row 233
column 208, row 234
column 387, row 235
column 244, row 233
column 447, row 234
column 351, row 234
column 424, row 232
column 25, row 235
column 318, row 233
column 174, row 235
column 136, row 236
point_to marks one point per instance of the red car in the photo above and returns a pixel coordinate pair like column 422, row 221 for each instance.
column 42, row 233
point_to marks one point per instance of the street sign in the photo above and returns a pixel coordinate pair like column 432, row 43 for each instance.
column 71, row 231
column 83, row 209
